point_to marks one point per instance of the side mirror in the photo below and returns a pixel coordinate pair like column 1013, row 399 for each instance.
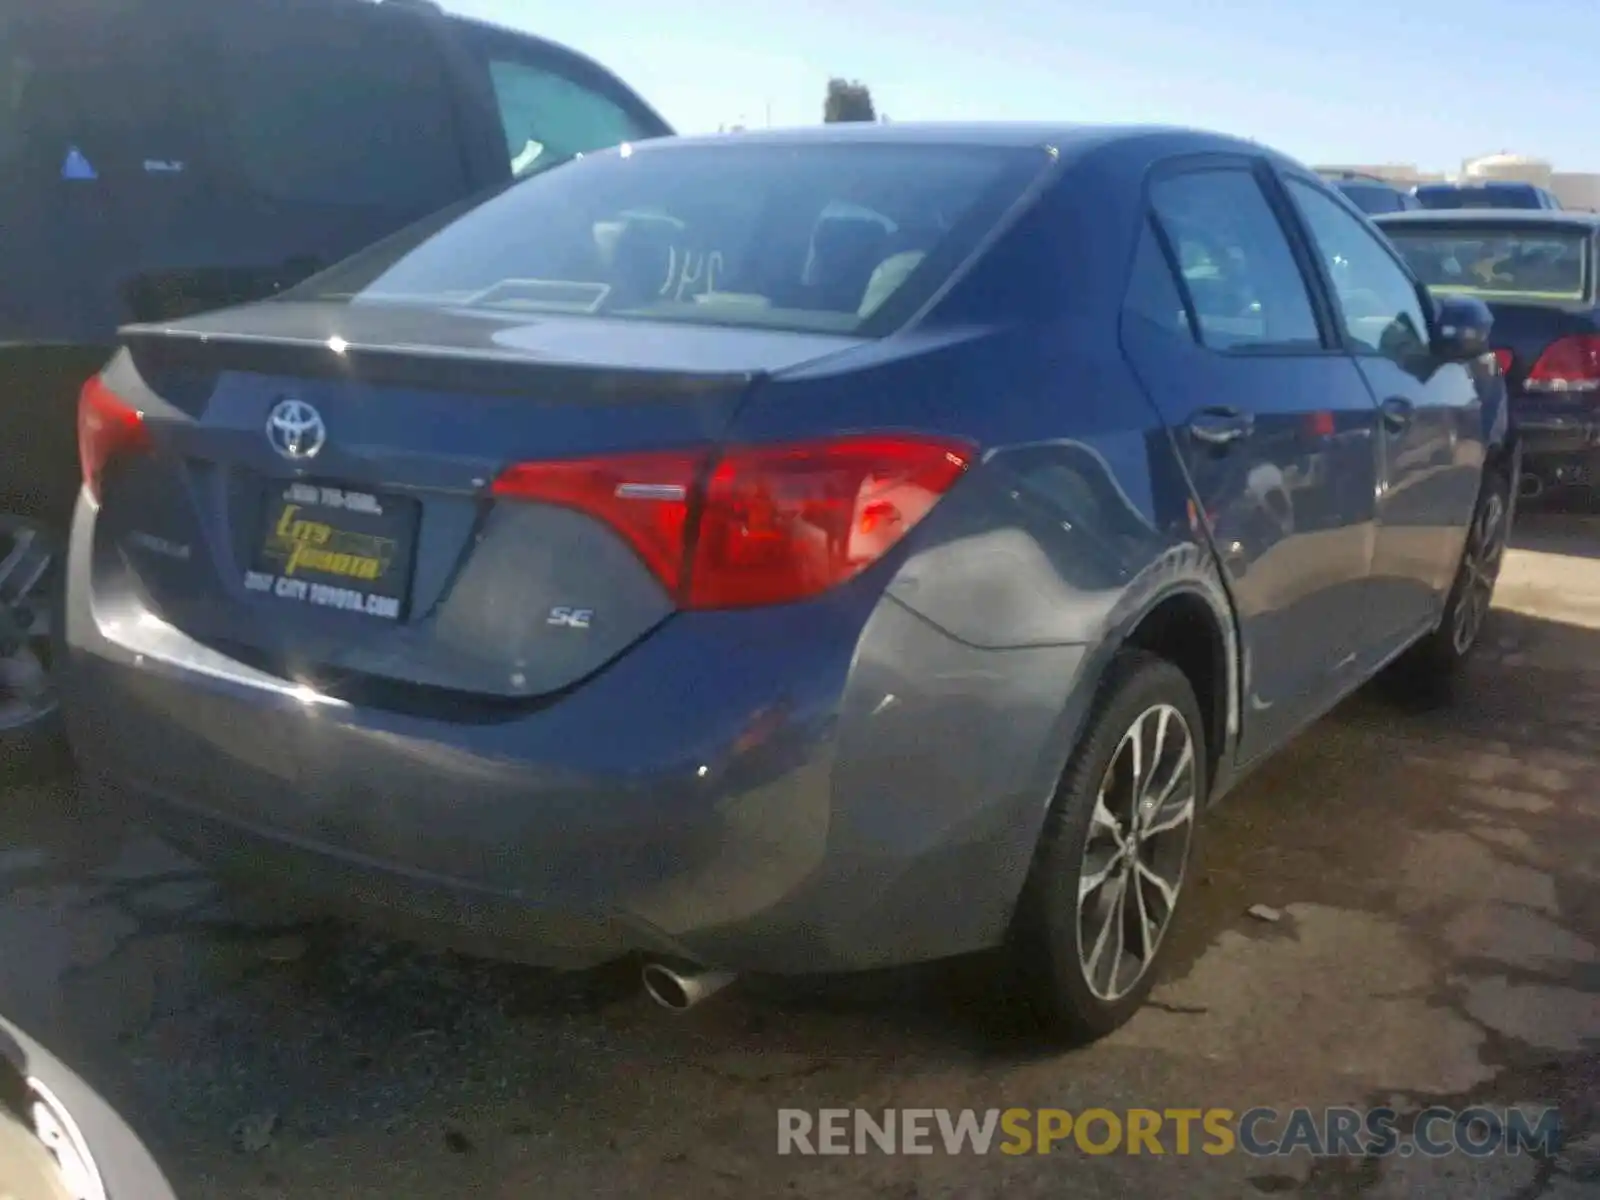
column 1463, row 325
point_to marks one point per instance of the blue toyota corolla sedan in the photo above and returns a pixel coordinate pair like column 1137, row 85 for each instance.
column 785, row 553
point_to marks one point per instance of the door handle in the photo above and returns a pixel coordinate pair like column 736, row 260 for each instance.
column 1397, row 413
column 1220, row 426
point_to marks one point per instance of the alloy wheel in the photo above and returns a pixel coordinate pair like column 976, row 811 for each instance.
column 1480, row 565
column 27, row 575
column 1136, row 851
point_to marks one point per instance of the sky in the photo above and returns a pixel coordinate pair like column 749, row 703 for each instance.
column 1430, row 82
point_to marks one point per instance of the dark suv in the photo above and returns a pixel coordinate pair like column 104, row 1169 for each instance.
column 1496, row 193
column 159, row 157
column 1371, row 194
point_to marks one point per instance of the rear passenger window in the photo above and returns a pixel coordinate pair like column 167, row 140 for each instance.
column 1246, row 289
column 1153, row 294
column 338, row 105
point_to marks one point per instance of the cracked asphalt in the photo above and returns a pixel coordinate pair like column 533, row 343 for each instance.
column 1435, row 875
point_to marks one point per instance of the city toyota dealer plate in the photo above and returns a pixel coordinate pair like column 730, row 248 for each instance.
column 334, row 548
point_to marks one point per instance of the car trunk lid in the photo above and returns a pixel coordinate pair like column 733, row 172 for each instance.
column 318, row 497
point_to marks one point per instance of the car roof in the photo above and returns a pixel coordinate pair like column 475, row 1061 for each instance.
column 1533, row 217
column 1069, row 141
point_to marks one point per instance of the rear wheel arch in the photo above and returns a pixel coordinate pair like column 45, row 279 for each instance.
column 1185, row 627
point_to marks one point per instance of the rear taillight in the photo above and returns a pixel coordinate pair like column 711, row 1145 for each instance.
column 644, row 497
column 1569, row 365
column 107, row 427
column 1503, row 359
column 756, row 524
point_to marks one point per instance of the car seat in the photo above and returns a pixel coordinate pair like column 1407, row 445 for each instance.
column 844, row 253
column 643, row 259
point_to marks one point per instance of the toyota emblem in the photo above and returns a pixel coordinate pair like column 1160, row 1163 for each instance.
column 295, row 429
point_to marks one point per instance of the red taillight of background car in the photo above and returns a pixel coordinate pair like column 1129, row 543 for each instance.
column 1503, row 359
column 108, row 426
column 1571, row 364
column 755, row 525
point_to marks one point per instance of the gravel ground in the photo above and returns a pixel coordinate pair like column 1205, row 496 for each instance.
column 1427, row 896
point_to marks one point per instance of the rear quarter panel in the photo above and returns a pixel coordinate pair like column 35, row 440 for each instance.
column 1074, row 523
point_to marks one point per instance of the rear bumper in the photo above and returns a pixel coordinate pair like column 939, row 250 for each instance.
column 818, row 789
column 1558, row 441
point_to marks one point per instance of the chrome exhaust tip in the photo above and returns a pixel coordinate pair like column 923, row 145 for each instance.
column 679, row 993
column 1530, row 486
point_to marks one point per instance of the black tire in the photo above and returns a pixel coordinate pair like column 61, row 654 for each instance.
column 1050, row 958
column 1430, row 669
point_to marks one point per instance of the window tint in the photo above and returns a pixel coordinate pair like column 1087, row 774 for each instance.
column 809, row 237
column 1377, row 301
column 549, row 117
column 1153, row 294
column 552, row 109
column 338, row 105
column 1246, row 289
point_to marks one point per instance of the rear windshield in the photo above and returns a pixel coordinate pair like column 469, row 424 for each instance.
column 825, row 238
column 1498, row 263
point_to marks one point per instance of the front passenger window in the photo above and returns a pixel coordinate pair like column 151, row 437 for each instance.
column 1377, row 300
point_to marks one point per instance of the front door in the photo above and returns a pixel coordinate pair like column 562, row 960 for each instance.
column 1276, row 429
column 1431, row 424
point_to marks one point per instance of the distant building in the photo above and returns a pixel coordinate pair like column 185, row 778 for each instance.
column 1402, row 175
column 1577, row 189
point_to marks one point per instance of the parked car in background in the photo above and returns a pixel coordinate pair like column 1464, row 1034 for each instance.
column 1492, row 193
column 800, row 552
column 162, row 157
column 1371, row 194
column 1537, row 272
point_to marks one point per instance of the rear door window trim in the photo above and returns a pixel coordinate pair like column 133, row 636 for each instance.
column 1260, row 172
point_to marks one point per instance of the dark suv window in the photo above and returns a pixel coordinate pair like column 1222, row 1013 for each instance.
column 337, row 105
column 1375, row 197
column 552, row 105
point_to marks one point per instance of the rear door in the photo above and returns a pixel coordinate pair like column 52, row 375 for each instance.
column 1276, row 429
